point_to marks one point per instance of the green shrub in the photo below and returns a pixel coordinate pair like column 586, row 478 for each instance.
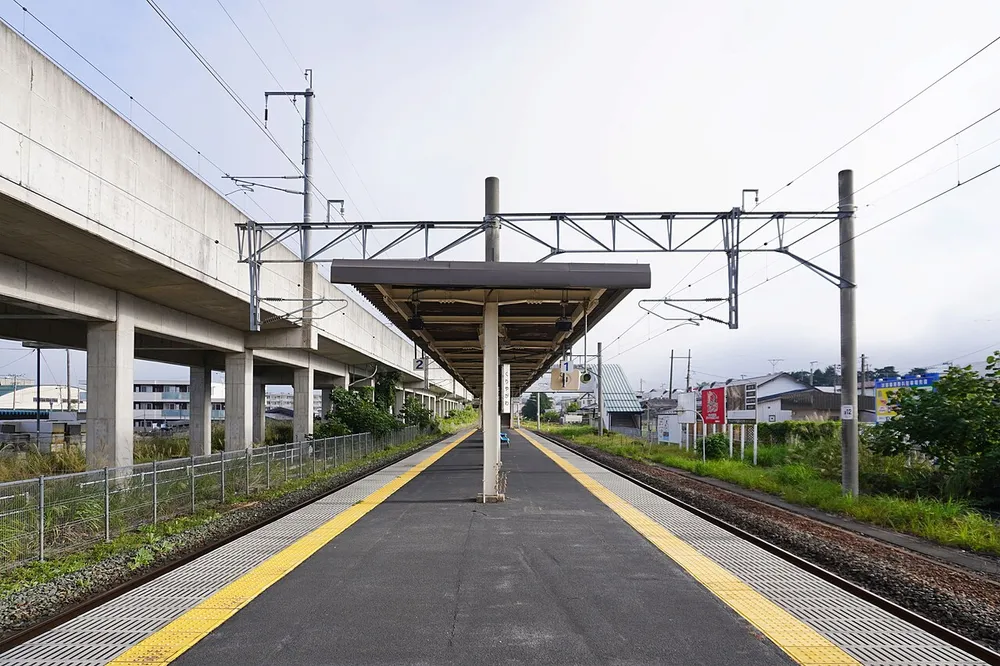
column 415, row 414
column 787, row 432
column 716, row 446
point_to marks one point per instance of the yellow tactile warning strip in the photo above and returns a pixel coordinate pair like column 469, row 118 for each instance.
column 165, row 645
column 800, row 641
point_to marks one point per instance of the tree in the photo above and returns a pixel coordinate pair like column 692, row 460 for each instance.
column 573, row 407
column 356, row 411
column 800, row 376
column 385, row 388
column 530, row 409
column 888, row 372
column 416, row 414
column 550, row 416
column 957, row 425
column 917, row 371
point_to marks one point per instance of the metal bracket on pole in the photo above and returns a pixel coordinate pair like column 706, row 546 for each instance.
column 829, row 276
column 309, row 304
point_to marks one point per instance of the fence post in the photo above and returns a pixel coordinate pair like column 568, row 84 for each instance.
column 41, row 518
column 248, row 470
column 155, row 514
column 107, row 506
column 755, row 443
column 312, row 452
column 191, row 477
column 222, row 474
column 284, row 459
column 268, row 472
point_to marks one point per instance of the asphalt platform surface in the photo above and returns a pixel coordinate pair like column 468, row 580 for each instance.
column 551, row 576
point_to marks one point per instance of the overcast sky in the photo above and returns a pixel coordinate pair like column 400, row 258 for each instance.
column 608, row 106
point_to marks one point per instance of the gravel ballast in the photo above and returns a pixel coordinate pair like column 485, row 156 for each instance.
column 964, row 601
column 30, row 606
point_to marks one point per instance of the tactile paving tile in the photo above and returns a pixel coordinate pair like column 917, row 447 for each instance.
column 866, row 632
column 99, row 635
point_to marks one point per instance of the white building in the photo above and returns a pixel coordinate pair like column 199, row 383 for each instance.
column 276, row 400
column 51, row 398
column 161, row 403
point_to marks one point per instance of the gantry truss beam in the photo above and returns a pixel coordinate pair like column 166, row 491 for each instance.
column 556, row 233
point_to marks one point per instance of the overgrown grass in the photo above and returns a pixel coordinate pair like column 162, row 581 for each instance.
column 459, row 419
column 19, row 466
column 150, row 543
column 949, row 522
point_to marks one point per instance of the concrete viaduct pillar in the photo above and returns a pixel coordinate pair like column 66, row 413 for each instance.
column 110, row 360
column 239, row 400
column 302, row 388
column 200, row 410
column 259, row 412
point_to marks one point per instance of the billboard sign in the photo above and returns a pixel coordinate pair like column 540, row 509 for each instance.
column 886, row 388
column 668, row 429
column 741, row 403
column 687, row 407
column 663, row 428
column 713, row 405
column 505, row 389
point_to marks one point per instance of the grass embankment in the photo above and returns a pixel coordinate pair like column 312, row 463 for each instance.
column 151, row 543
column 946, row 521
column 458, row 419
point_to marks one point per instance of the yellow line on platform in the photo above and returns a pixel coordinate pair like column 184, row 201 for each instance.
column 165, row 645
column 800, row 641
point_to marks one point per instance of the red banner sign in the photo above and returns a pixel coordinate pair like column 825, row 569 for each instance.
column 713, row 405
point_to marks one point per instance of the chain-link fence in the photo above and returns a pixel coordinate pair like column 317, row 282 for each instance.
column 44, row 516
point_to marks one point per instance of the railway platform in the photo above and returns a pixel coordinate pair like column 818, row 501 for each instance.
column 578, row 566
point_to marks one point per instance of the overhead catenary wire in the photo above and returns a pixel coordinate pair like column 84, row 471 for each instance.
column 883, row 118
column 828, row 250
column 903, row 164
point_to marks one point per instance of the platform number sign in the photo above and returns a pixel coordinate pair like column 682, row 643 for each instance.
column 420, row 363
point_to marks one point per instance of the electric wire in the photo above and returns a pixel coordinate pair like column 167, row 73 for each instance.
column 883, row 118
column 828, row 250
column 132, row 100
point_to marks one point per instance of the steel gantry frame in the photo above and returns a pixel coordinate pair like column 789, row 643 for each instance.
column 567, row 233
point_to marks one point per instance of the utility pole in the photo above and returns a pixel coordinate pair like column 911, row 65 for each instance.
column 307, row 160
column 69, row 402
column 689, row 371
column 774, row 363
column 538, row 410
column 848, row 337
column 862, row 389
column 38, row 398
column 670, row 389
column 600, row 393
column 812, row 372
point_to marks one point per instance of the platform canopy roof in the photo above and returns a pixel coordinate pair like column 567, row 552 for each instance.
column 439, row 304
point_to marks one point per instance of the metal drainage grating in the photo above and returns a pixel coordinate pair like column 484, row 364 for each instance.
column 99, row 635
column 869, row 634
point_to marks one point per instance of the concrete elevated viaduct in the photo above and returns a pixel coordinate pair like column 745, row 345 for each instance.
column 109, row 245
